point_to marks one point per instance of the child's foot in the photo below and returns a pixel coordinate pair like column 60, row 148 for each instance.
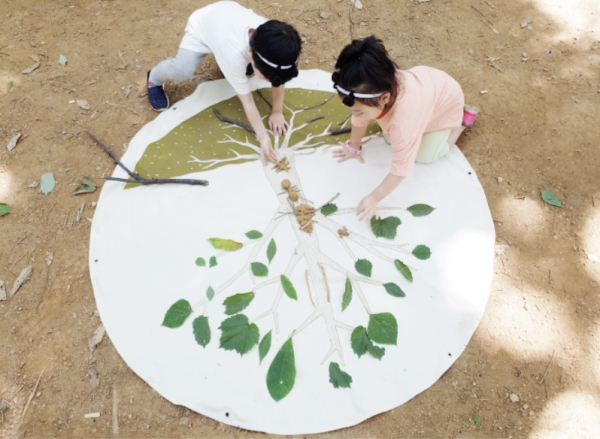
column 159, row 101
column 249, row 70
column 469, row 116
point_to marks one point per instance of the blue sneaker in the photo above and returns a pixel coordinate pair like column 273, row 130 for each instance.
column 159, row 101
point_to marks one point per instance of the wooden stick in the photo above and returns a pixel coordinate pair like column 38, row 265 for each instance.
column 548, row 368
column 32, row 393
column 233, row 122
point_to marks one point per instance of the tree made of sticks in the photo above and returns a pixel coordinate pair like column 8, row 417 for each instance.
column 217, row 137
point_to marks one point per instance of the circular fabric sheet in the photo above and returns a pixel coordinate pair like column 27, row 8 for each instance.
column 315, row 323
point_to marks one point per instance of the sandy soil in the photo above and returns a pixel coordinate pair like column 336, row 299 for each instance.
column 540, row 336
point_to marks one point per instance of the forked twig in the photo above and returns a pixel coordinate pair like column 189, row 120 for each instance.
column 137, row 179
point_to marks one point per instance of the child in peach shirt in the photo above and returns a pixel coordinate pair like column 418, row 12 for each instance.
column 421, row 110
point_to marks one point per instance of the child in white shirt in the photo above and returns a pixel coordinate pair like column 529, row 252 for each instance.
column 237, row 37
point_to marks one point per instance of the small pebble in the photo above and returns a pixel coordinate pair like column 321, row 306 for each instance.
column 324, row 15
column 513, row 397
column 184, row 421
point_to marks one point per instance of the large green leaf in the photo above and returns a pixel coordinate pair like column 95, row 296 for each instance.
column 420, row 209
column 212, row 262
column 288, row 288
column 177, row 314
column 271, row 250
column 201, row 331
column 383, row 328
column 347, row 297
column 282, row 372
column 422, row 252
column 394, row 290
column 225, row 244
column 403, row 268
column 551, row 198
column 237, row 335
column 338, row 377
column 200, row 262
column 364, row 267
column 385, row 227
column 264, row 346
column 4, row 209
column 237, row 302
column 210, row 293
column 328, row 209
column 253, row 234
column 259, row 269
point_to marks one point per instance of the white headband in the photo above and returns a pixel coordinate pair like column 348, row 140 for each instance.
column 275, row 66
column 357, row 95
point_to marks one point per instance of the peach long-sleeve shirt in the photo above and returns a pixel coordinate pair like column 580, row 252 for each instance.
column 429, row 100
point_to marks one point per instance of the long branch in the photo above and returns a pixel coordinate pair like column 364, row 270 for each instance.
column 233, row 122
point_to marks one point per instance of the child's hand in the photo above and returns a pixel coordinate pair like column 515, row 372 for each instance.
column 266, row 150
column 343, row 154
column 367, row 208
column 278, row 124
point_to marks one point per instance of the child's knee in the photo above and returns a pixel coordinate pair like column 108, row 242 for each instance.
column 434, row 145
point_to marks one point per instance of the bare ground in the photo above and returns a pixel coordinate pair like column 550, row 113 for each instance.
column 539, row 130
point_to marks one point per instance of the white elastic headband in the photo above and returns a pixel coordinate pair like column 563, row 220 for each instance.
column 275, row 66
column 357, row 95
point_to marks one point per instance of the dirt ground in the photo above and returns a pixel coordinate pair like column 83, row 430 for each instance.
column 539, row 129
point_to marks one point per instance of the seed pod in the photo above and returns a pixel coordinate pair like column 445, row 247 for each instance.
column 285, row 184
column 293, row 195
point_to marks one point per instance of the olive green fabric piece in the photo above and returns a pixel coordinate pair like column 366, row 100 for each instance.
column 200, row 135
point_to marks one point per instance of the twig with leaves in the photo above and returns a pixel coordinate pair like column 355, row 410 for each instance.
column 136, row 178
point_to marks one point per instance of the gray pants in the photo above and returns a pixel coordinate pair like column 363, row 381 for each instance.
column 179, row 68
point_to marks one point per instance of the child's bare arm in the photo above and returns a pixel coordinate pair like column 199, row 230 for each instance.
column 277, row 122
column 368, row 205
column 261, row 132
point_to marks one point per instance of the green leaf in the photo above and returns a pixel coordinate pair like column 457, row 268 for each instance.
column 383, row 328
column 253, row 234
column 288, row 288
column 364, row 267
column 225, row 244
column 282, row 372
column 550, row 198
column 385, row 227
column 359, row 340
column 259, row 269
column 347, row 297
column 394, row 290
column 177, row 314
column 201, row 331
column 62, row 60
column 4, row 209
column 87, row 187
column 9, row 86
column 47, row 183
column 212, row 262
column 237, row 302
column 422, row 252
column 338, row 377
column 200, row 262
column 376, row 351
column 271, row 250
column 264, row 346
column 237, row 335
column 210, row 293
column 361, row 344
column 328, row 209
column 477, row 420
column 403, row 268
column 420, row 209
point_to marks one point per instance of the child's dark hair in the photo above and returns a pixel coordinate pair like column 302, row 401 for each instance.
column 275, row 49
column 365, row 67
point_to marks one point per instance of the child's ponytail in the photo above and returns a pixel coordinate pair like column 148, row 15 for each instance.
column 365, row 72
